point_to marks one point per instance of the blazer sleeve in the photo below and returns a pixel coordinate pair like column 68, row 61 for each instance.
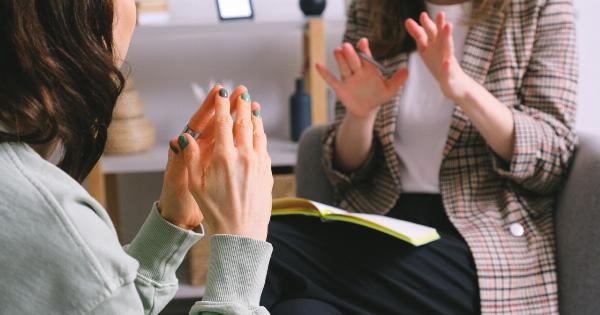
column 544, row 121
column 339, row 179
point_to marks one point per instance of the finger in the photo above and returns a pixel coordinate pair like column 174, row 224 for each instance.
column 242, row 129
column 208, row 134
column 428, row 26
column 223, row 122
column 190, row 152
column 260, row 138
column 447, row 41
column 363, row 45
column 352, row 58
column 235, row 95
column 174, row 146
column 206, row 145
column 175, row 164
column 328, row 76
column 417, row 33
column 440, row 20
column 205, row 112
column 342, row 63
column 397, row 80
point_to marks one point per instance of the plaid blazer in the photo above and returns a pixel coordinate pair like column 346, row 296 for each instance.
column 526, row 57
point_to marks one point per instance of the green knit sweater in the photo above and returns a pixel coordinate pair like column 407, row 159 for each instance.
column 59, row 252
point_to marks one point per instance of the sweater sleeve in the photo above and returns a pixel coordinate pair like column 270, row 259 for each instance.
column 236, row 276
column 159, row 247
column 544, row 122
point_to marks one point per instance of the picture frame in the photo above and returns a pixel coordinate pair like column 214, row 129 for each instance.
column 229, row 10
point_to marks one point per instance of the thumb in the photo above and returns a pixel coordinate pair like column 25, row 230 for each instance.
column 394, row 83
column 174, row 163
column 176, row 170
column 363, row 45
column 329, row 78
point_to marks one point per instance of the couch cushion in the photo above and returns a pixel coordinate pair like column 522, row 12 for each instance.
column 578, row 232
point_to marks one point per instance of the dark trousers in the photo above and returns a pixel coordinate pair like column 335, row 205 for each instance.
column 340, row 268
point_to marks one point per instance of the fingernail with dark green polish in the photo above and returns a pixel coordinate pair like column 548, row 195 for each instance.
column 246, row 97
column 183, row 143
column 223, row 93
column 173, row 148
column 256, row 113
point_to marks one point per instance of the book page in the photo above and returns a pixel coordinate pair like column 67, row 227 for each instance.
column 326, row 210
column 412, row 230
column 293, row 203
column 412, row 233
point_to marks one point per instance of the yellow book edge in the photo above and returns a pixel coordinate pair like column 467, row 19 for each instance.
column 299, row 206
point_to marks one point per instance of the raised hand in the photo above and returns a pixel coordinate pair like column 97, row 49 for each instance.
column 230, row 178
column 436, row 47
column 362, row 87
column 177, row 204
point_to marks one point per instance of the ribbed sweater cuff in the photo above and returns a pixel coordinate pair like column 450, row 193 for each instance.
column 237, row 270
column 160, row 247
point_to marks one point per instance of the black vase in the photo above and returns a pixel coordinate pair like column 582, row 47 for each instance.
column 313, row 7
column 300, row 112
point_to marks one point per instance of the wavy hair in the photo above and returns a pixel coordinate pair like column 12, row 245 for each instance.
column 389, row 36
column 58, row 79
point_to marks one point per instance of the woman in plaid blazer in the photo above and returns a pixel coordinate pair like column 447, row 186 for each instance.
column 508, row 148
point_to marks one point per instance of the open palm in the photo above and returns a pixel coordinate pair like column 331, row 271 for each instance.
column 436, row 47
column 362, row 87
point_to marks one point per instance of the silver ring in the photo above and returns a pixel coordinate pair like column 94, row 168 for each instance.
column 191, row 132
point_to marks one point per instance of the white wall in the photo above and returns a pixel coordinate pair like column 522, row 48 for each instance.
column 264, row 10
column 265, row 55
column 588, row 33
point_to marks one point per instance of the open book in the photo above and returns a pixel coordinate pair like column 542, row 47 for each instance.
column 412, row 233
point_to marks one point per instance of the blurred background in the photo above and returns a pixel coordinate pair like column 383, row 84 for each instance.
column 172, row 60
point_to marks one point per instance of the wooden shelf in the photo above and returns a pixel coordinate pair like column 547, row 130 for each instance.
column 243, row 28
column 283, row 154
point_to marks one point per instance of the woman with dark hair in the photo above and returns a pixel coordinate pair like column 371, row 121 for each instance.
column 468, row 128
column 59, row 81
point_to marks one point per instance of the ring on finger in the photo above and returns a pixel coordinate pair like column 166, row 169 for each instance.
column 191, row 132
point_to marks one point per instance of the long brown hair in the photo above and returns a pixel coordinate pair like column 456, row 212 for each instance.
column 58, row 79
column 386, row 17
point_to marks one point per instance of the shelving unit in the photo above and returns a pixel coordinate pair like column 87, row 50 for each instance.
column 283, row 153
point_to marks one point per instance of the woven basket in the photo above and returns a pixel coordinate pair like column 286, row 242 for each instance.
column 129, row 136
column 129, row 105
column 130, row 131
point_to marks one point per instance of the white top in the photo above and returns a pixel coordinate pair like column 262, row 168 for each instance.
column 425, row 114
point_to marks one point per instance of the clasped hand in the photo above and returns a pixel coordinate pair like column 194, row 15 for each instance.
column 224, row 177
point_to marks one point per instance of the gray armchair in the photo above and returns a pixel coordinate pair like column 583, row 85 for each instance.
column 577, row 218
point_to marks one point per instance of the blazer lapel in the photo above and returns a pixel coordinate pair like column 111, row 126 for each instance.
column 477, row 57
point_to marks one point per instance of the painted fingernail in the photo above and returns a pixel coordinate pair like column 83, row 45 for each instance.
column 223, row 93
column 256, row 113
column 173, row 148
column 246, row 97
column 183, row 143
